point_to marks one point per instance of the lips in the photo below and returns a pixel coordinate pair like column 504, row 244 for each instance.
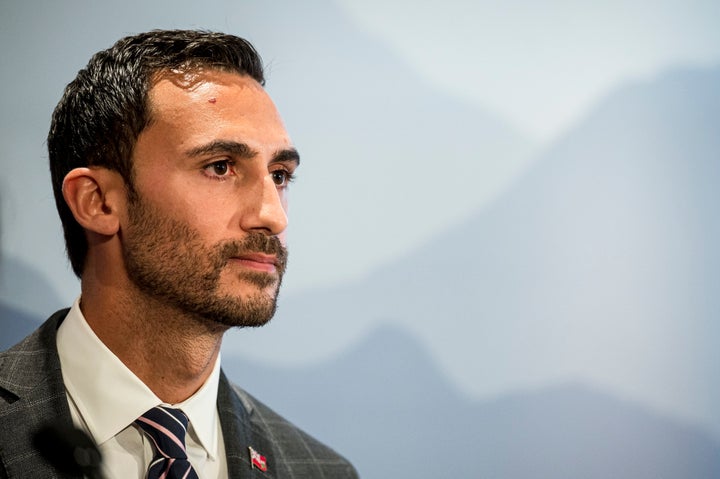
column 258, row 261
column 255, row 253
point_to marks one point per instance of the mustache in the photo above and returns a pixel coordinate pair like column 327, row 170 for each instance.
column 255, row 243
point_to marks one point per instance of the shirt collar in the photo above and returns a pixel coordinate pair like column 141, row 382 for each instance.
column 201, row 410
column 109, row 397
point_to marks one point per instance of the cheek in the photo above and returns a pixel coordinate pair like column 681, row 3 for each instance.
column 215, row 217
column 210, row 220
column 200, row 215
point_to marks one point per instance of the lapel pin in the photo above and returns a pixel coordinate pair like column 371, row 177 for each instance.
column 257, row 460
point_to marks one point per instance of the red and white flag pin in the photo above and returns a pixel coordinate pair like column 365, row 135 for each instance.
column 257, row 460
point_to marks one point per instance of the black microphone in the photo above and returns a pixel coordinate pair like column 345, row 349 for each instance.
column 69, row 450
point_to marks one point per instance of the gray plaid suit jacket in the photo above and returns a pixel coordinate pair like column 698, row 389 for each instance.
column 32, row 394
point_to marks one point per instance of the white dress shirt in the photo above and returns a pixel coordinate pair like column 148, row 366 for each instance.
column 105, row 399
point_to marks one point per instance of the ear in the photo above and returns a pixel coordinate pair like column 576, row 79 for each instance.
column 95, row 196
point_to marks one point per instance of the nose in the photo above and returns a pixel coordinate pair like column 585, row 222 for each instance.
column 266, row 208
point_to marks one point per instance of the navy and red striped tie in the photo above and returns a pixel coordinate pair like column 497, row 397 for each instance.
column 166, row 427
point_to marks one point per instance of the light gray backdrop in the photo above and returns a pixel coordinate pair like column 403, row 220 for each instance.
column 503, row 237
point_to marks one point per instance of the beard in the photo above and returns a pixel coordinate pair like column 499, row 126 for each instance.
column 166, row 260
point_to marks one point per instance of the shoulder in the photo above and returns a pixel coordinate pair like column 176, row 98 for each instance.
column 31, row 394
column 296, row 454
column 25, row 365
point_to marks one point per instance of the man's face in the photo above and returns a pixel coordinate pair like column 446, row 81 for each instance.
column 206, row 234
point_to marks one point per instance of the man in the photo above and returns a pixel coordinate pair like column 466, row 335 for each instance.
column 170, row 167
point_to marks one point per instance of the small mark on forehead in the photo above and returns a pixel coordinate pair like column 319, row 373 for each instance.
column 212, row 100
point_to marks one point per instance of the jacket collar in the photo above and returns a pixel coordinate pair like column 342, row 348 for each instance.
column 242, row 430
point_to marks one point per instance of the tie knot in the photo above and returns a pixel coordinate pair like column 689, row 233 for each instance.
column 166, row 427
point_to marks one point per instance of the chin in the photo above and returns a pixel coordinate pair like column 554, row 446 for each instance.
column 245, row 306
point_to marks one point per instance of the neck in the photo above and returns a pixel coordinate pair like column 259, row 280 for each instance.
column 169, row 350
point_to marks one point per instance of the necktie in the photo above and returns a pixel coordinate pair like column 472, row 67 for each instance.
column 166, row 427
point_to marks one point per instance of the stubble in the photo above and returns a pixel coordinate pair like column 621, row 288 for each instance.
column 166, row 259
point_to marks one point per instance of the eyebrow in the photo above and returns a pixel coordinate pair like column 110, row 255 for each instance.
column 241, row 150
column 289, row 154
column 222, row 146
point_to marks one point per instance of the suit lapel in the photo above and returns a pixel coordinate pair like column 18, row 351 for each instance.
column 32, row 394
column 240, row 432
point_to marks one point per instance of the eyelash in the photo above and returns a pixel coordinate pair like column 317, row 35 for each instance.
column 216, row 176
column 289, row 175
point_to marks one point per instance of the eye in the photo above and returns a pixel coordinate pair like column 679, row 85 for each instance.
column 219, row 169
column 282, row 177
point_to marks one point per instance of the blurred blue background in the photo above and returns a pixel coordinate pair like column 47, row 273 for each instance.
column 503, row 236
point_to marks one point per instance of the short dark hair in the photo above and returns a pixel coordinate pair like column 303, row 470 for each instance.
column 105, row 108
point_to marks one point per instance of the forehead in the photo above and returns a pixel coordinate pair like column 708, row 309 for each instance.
column 193, row 106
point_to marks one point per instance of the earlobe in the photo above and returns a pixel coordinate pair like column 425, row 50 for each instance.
column 91, row 195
